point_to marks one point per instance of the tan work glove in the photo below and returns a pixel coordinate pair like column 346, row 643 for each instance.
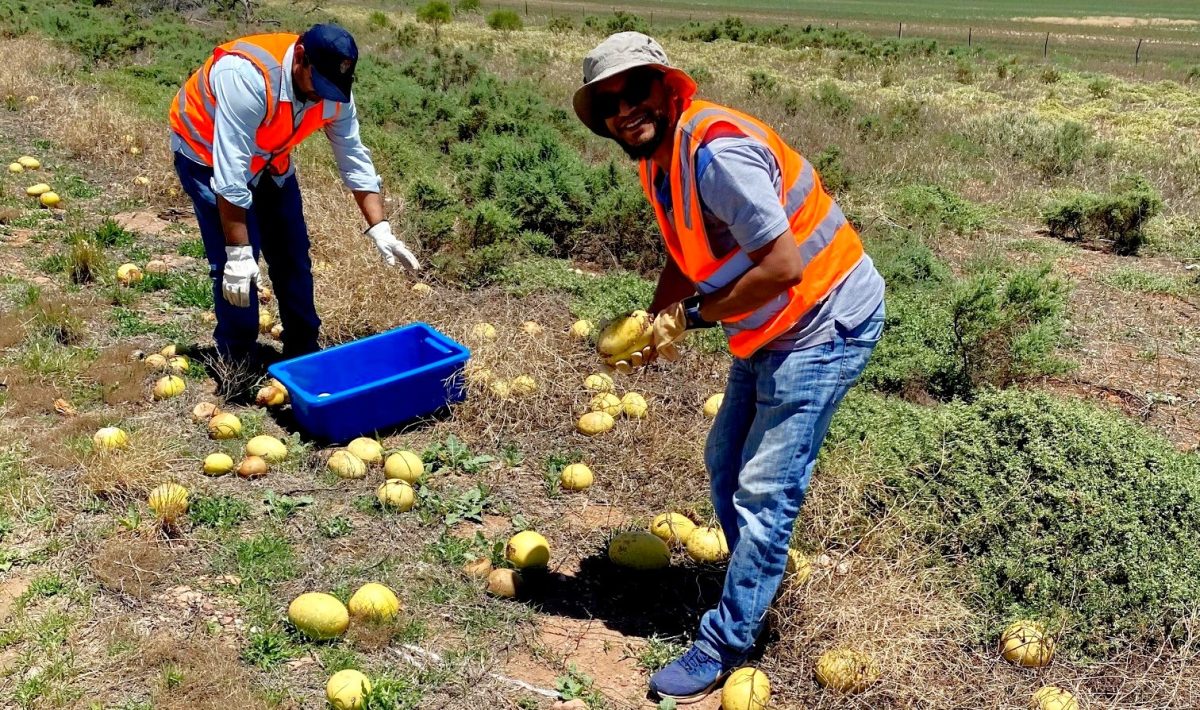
column 668, row 328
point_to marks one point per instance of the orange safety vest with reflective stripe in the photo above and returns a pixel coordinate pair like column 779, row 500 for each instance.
column 193, row 112
column 829, row 246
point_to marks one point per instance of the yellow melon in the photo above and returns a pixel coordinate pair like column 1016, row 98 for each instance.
column 217, row 464
column 634, row 405
column 268, row 447
column 712, row 405
column 846, row 670
column 1027, row 644
column 168, row 501
column 346, row 689
column 639, row 550
column 346, row 465
column 168, row 387
column 1052, row 697
column 594, row 423
column 672, row 528
column 598, row 382
column 707, row 544
column 367, row 449
column 224, row 425
column 405, row 466
column 396, row 495
column 746, row 689
column 109, row 438
column 576, row 477
column 374, row 602
column 527, row 549
column 318, row 616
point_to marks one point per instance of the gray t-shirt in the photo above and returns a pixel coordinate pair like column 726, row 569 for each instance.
column 739, row 184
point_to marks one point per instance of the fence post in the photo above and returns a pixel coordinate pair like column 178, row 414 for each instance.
column 651, row 19
column 526, row 8
column 1137, row 53
column 1046, row 46
column 900, row 31
column 970, row 31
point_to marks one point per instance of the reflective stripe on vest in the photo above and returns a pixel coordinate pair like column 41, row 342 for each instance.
column 829, row 246
column 193, row 112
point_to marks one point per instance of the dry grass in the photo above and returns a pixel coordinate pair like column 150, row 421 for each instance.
column 151, row 458
column 132, row 565
column 121, row 377
column 209, row 675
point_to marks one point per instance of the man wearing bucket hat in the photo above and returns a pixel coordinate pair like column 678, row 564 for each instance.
column 759, row 247
column 234, row 124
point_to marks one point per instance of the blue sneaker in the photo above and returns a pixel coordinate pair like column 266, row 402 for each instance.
column 689, row 678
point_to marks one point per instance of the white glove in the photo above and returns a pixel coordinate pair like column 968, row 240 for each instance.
column 392, row 248
column 241, row 270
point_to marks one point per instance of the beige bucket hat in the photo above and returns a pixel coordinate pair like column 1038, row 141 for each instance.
column 620, row 53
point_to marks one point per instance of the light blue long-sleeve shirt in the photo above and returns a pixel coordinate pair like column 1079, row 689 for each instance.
column 241, row 109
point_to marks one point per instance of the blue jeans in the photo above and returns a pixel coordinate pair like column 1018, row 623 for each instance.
column 760, row 456
column 277, row 230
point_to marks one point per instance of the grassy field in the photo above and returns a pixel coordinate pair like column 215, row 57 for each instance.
column 1023, row 445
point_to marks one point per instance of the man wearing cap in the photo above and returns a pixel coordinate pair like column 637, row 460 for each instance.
column 758, row 247
column 233, row 126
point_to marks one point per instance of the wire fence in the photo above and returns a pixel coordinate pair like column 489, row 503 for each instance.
column 1116, row 48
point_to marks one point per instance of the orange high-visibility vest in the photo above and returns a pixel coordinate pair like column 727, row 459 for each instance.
column 193, row 112
column 829, row 246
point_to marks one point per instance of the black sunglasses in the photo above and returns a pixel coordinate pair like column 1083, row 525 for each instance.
column 636, row 90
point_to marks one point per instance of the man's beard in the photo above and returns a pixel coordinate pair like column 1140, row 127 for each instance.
column 647, row 149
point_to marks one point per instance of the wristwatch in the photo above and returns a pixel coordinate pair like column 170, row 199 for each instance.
column 691, row 311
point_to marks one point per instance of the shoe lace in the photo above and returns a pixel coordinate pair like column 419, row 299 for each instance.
column 693, row 660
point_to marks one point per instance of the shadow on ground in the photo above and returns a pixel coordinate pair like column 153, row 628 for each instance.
column 664, row 603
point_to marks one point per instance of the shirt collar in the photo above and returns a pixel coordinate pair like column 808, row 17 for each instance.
column 285, row 81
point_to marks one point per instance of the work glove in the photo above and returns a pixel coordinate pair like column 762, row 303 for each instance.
column 667, row 329
column 392, row 249
column 241, row 270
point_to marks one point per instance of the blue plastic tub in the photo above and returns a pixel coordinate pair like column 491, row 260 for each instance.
column 375, row 383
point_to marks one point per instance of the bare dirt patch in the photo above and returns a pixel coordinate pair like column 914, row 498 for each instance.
column 1119, row 21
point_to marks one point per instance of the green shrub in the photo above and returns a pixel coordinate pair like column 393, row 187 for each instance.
column 408, row 35
column 946, row 337
column 378, row 20
column 762, row 82
column 1101, row 87
column 560, row 25
column 856, row 43
column 505, row 21
column 466, row 6
column 964, row 71
column 834, row 175
column 932, row 208
column 1048, row 508
column 489, row 223
column 1052, row 149
column 435, row 13
column 1050, row 75
column 1116, row 220
column 626, row 22
column 833, row 99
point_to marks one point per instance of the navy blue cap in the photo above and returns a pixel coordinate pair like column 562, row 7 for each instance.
column 333, row 55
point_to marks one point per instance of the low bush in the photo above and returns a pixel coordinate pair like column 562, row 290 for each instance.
column 946, row 337
column 856, row 43
column 1049, row 508
column 560, row 25
column 932, row 208
column 1053, row 150
column 763, row 83
column 1115, row 220
column 505, row 21
column 833, row 99
column 466, row 6
column 834, row 175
